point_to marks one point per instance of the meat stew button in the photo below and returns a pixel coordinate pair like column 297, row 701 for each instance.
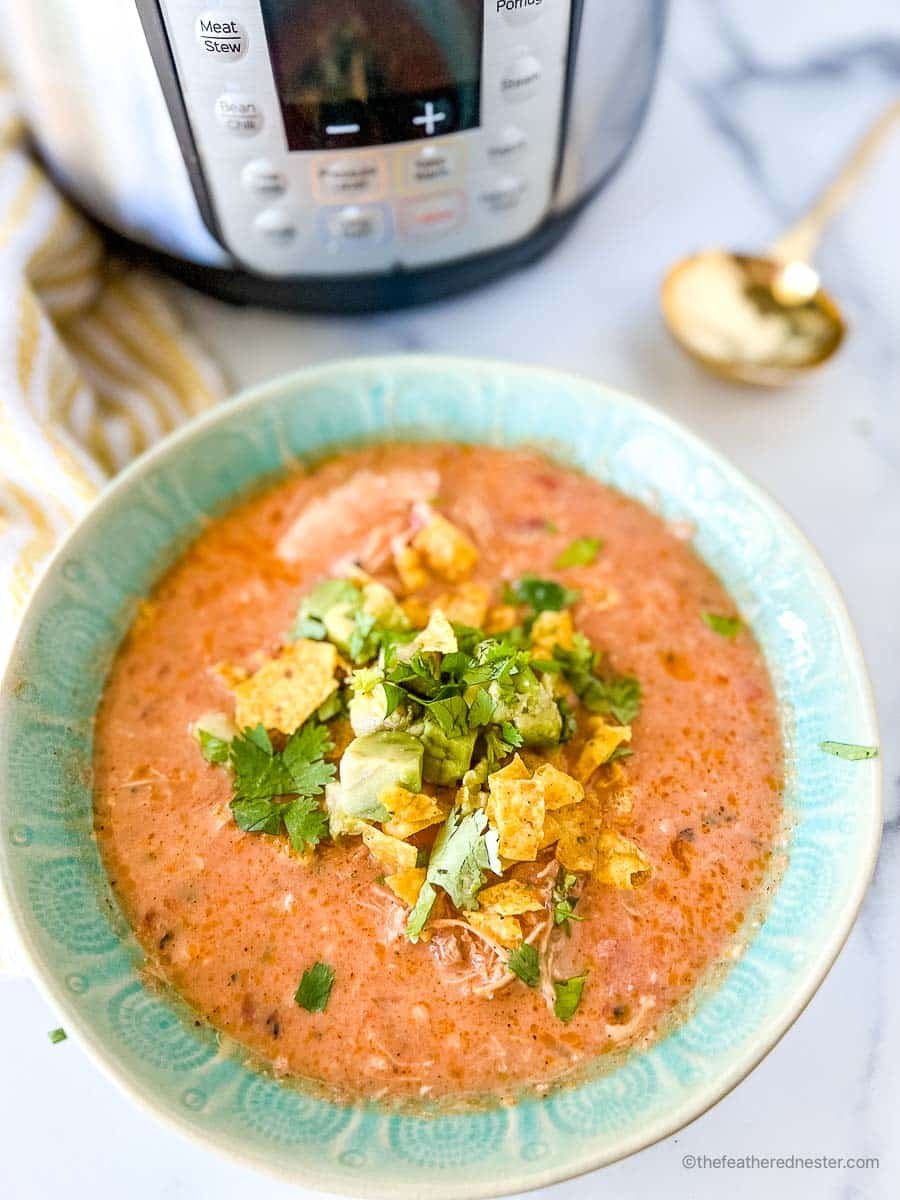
column 220, row 37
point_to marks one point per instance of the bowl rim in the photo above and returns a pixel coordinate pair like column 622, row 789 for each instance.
column 103, row 1056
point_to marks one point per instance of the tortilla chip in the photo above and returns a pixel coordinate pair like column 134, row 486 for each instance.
column 407, row 884
column 510, row 898
column 559, row 789
column 437, row 636
column 397, row 856
column 603, row 741
column 552, row 830
column 465, row 605
column 288, row 688
column 620, row 861
column 409, row 566
column 515, row 769
column 576, row 848
column 410, row 812
column 515, row 808
column 501, row 618
column 505, row 931
column 446, row 549
column 551, row 629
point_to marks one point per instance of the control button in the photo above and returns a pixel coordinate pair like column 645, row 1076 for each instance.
column 341, row 123
column 432, row 215
column 504, row 195
column 434, row 117
column 241, row 115
column 354, row 224
column 348, row 177
column 220, row 37
column 435, row 163
column 263, row 178
column 521, row 78
column 519, row 12
column 507, row 145
column 275, row 225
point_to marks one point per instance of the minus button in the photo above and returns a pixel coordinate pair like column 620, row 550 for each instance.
column 336, row 130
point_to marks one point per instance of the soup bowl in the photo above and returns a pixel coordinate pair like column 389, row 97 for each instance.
column 79, row 947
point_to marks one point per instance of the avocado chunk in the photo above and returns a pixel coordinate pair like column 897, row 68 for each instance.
column 373, row 763
column 447, row 757
column 535, row 714
column 328, row 611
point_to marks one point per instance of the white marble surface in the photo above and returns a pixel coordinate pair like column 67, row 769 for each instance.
column 757, row 101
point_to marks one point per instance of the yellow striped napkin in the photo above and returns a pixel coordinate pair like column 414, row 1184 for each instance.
column 95, row 366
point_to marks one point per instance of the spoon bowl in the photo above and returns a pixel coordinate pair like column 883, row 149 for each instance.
column 749, row 319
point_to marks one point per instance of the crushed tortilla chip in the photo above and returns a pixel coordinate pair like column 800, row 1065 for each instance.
column 620, row 861
column 576, row 846
column 552, row 830
column 551, row 629
column 505, row 931
column 559, row 788
column 409, row 566
column 501, row 618
column 446, row 549
column 417, row 611
column 437, row 635
column 510, row 898
column 288, row 688
column 514, row 769
column 465, row 605
column 410, row 812
column 397, row 856
column 407, row 884
column 515, row 808
column 603, row 741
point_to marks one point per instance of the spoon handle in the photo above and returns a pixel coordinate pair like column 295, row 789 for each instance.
column 799, row 241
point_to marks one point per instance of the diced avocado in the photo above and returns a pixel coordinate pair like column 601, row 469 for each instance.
column 447, row 757
column 381, row 603
column 373, row 763
column 368, row 710
column 535, row 714
column 328, row 611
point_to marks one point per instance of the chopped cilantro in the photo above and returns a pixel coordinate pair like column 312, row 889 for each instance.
column 450, row 714
column 258, row 814
column 579, row 553
column 57, row 1035
column 462, row 852
column 849, row 750
column 563, row 903
column 728, row 627
column 620, row 696
column 315, row 987
column 328, row 595
column 568, row 996
column 214, row 749
column 622, row 751
column 481, row 710
column 541, row 595
column 525, row 964
column 569, row 724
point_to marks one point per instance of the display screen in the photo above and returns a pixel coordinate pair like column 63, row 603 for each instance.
column 365, row 72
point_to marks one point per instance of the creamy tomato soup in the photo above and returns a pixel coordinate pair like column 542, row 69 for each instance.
column 438, row 772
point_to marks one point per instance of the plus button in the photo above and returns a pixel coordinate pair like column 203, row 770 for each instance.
column 429, row 119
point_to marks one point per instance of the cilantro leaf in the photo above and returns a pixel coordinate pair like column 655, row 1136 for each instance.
column 302, row 758
column 314, row 608
column 363, row 641
column 315, row 987
column 524, row 963
column 568, row 996
column 541, row 595
column 451, row 714
column 214, row 749
column 481, row 710
column 461, row 854
column 563, row 902
column 259, row 772
column 849, row 750
column 580, row 553
column 306, row 822
column 728, row 627
column 258, row 814
column 569, row 724
column 620, row 696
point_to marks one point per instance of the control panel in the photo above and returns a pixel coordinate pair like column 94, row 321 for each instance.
column 355, row 136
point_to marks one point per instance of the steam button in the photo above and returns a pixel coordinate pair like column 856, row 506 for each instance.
column 521, row 78
column 240, row 114
column 220, row 37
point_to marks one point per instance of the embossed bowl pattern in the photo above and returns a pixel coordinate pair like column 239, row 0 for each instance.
column 78, row 944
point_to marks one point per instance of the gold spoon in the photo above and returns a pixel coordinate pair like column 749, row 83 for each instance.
column 766, row 321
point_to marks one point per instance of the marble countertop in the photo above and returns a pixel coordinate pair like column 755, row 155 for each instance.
column 757, row 101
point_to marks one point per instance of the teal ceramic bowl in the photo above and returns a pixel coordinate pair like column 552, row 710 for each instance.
column 80, row 950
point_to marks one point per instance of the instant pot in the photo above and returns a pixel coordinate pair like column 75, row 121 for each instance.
column 335, row 154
